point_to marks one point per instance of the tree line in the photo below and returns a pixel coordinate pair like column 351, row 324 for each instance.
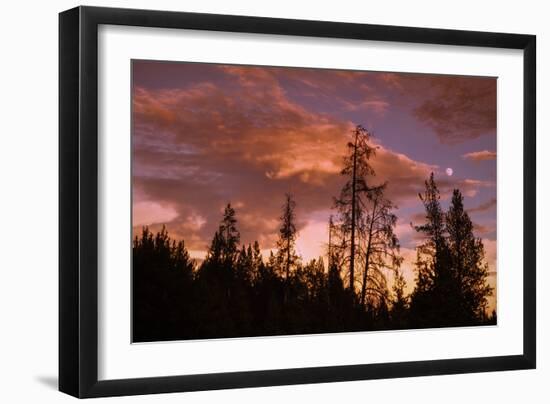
column 236, row 292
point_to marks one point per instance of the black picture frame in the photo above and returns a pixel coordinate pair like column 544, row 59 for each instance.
column 78, row 201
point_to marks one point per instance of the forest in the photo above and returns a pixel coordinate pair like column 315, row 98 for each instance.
column 358, row 285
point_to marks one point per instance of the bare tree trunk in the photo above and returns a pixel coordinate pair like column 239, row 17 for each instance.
column 367, row 256
column 287, row 259
column 353, row 213
column 329, row 242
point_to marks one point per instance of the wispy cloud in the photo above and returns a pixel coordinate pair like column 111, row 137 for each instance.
column 457, row 108
column 485, row 206
column 480, row 155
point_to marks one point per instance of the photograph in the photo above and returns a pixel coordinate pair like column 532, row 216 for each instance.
column 275, row 201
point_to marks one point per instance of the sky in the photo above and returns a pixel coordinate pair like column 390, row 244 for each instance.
column 204, row 135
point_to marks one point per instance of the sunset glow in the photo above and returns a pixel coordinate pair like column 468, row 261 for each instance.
column 205, row 135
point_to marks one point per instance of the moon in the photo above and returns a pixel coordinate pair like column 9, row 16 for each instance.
column 449, row 171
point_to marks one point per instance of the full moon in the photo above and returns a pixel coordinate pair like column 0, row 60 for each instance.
column 449, row 171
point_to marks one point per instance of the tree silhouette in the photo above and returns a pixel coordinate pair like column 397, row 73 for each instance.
column 229, row 234
column 286, row 252
column 400, row 304
column 380, row 247
column 467, row 264
column 162, row 269
column 451, row 288
column 235, row 292
column 330, row 250
column 356, row 170
column 429, row 297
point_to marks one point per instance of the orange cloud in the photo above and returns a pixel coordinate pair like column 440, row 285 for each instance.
column 480, row 155
column 198, row 147
column 150, row 212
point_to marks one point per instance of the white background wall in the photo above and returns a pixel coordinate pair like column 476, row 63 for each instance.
column 28, row 199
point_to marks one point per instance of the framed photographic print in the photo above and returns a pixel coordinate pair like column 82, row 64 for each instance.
column 251, row 201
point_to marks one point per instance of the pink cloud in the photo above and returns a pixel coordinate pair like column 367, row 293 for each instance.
column 480, row 155
column 485, row 206
column 198, row 147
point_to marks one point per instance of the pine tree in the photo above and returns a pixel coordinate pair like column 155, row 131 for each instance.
column 434, row 228
column 451, row 288
column 163, row 274
column 224, row 246
column 182, row 261
column 400, row 304
column 349, row 204
column 244, row 265
column 229, row 234
column 257, row 262
column 217, row 274
column 430, row 298
column 286, row 251
column 467, row 264
column 380, row 246
column 214, row 253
